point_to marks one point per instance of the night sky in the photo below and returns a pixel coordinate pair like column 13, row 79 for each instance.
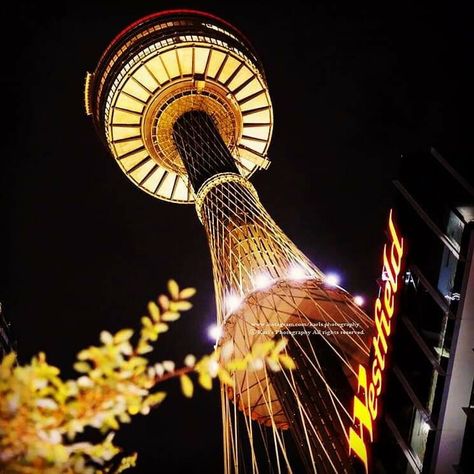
column 352, row 89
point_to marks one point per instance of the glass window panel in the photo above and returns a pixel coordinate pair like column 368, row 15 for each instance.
column 200, row 59
column 262, row 116
column 244, row 74
column 251, row 88
column 125, row 132
column 130, row 161
column 122, row 116
column 171, row 63
column 185, row 56
column 217, row 57
column 258, row 101
column 257, row 132
column 140, row 173
column 136, row 90
column 145, row 78
column 156, row 67
column 229, row 68
column 126, row 147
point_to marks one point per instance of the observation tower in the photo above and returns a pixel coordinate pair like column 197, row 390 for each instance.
column 181, row 101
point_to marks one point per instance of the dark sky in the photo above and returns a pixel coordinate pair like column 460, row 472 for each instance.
column 352, row 90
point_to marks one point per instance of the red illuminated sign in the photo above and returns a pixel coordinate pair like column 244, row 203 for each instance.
column 370, row 379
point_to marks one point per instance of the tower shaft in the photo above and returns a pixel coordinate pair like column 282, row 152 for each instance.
column 202, row 150
column 248, row 249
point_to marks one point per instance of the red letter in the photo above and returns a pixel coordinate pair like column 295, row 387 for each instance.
column 397, row 245
column 380, row 319
column 372, row 402
column 388, row 299
column 391, row 272
column 377, row 376
column 361, row 415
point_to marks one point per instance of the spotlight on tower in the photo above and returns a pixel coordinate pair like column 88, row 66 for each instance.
column 359, row 300
column 232, row 302
column 297, row 272
column 332, row 279
column 262, row 281
column 214, row 331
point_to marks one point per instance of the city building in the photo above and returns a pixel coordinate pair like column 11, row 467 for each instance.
column 428, row 402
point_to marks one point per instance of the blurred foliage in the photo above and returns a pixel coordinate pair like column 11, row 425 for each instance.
column 43, row 417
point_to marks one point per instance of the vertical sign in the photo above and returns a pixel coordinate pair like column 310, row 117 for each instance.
column 371, row 379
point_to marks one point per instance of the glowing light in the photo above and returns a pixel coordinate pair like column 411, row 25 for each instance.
column 425, row 427
column 262, row 281
column 232, row 302
column 332, row 279
column 297, row 272
column 359, row 300
column 214, row 332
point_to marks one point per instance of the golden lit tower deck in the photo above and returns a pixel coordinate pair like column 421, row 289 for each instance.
column 166, row 64
column 181, row 100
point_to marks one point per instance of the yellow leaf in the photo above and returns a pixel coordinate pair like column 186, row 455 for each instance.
column 262, row 348
column 187, row 293
column 83, row 355
column 280, row 345
column 154, row 310
column 8, row 361
column 146, row 322
column 106, row 337
column 187, row 386
column 82, row 367
column 236, row 364
column 190, row 360
column 227, row 350
column 123, row 335
column 161, row 327
column 168, row 365
column 181, row 305
column 143, row 348
column 59, row 454
column 155, row 398
column 173, row 288
column 112, row 423
column 274, row 366
column 134, row 409
column 170, row 316
column 164, row 302
column 256, row 364
column 225, row 377
column 124, row 418
column 287, row 361
column 205, row 380
column 159, row 369
column 127, row 462
column 46, row 403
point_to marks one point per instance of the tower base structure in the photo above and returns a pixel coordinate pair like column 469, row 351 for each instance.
column 278, row 293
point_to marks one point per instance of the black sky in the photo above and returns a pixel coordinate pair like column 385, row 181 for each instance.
column 352, row 89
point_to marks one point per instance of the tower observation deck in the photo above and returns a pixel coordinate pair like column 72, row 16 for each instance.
column 181, row 101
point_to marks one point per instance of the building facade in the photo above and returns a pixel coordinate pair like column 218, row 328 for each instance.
column 427, row 421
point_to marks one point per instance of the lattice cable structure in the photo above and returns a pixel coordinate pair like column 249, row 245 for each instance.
column 181, row 100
